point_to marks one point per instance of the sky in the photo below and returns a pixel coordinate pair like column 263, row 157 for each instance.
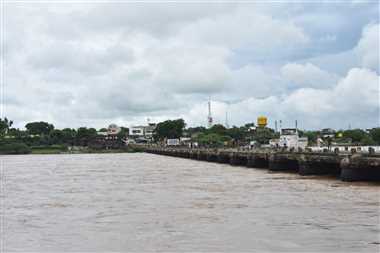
column 86, row 63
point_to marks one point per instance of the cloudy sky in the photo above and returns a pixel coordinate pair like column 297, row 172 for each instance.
column 91, row 64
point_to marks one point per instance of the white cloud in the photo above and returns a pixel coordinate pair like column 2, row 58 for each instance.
column 354, row 100
column 245, row 27
column 91, row 64
column 368, row 47
column 308, row 75
column 254, row 81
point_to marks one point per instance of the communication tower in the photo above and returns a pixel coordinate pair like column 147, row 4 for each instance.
column 209, row 117
column 226, row 123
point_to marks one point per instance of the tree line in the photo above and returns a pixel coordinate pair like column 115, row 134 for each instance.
column 42, row 134
column 218, row 135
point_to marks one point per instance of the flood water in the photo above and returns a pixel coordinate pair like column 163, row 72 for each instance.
column 145, row 202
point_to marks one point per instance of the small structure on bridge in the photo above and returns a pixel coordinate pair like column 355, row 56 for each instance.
column 289, row 138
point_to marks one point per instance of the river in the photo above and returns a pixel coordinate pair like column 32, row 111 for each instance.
column 144, row 202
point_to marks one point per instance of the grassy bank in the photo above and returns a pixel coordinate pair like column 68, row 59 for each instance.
column 80, row 150
column 49, row 149
column 14, row 148
column 21, row 148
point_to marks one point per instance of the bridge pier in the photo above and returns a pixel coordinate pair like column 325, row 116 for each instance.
column 237, row 158
column 360, row 168
column 319, row 165
column 257, row 160
column 202, row 155
column 185, row 154
column 212, row 156
column 223, row 157
column 283, row 162
column 193, row 154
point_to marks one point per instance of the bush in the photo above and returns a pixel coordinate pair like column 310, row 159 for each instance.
column 14, row 148
column 50, row 147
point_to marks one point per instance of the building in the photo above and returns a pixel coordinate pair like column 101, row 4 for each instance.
column 274, row 143
column 289, row 139
column 149, row 130
column 328, row 133
column 143, row 132
column 137, row 131
column 107, row 138
column 113, row 129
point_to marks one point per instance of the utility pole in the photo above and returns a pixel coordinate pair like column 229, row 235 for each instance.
column 209, row 117
column 226, row 123
column 275, row 126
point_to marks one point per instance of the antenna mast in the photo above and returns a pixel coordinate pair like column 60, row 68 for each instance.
column 209, row 117
column 227, row 125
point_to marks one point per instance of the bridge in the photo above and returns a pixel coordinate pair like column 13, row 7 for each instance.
column 346, row 166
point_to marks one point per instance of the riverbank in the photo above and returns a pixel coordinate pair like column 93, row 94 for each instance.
column 57, row 149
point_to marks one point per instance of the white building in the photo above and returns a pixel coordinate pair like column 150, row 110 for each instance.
column 137, row 131
column 172, row 142
column 113, row 129
column 289, row 138
column 149, row 130
column 274, row 142
column 328, row 133
column 142, row 131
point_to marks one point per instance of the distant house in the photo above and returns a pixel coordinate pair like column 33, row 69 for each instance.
column 289, row 138
column 143, row 132
column 274, row 142
column 102, row 133
column 107, row 138
column 328, row 132
column 137, row 131
column 149, row 130
column 113, row 129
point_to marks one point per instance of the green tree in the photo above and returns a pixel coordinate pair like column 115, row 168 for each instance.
column 84, row 135
column 249, row 125
column 263, row 135
column 124, row 131
column 56, row 136
column 217, row 129
column 191, row 131
column 5, row 124
column 212, row 139
column 169, row 129
column 367, row 140
column 312, row 136
column 68, row 136
column 236, row 133
column 356, row 135
column 375, row 135
column 17, row 133
column 40, row 127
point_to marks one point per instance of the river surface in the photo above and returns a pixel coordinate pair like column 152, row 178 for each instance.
column 145, row 202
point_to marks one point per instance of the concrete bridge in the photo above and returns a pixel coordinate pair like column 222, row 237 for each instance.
column 348, row 167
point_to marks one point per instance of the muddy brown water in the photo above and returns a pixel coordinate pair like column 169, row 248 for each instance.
column 144, row 202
